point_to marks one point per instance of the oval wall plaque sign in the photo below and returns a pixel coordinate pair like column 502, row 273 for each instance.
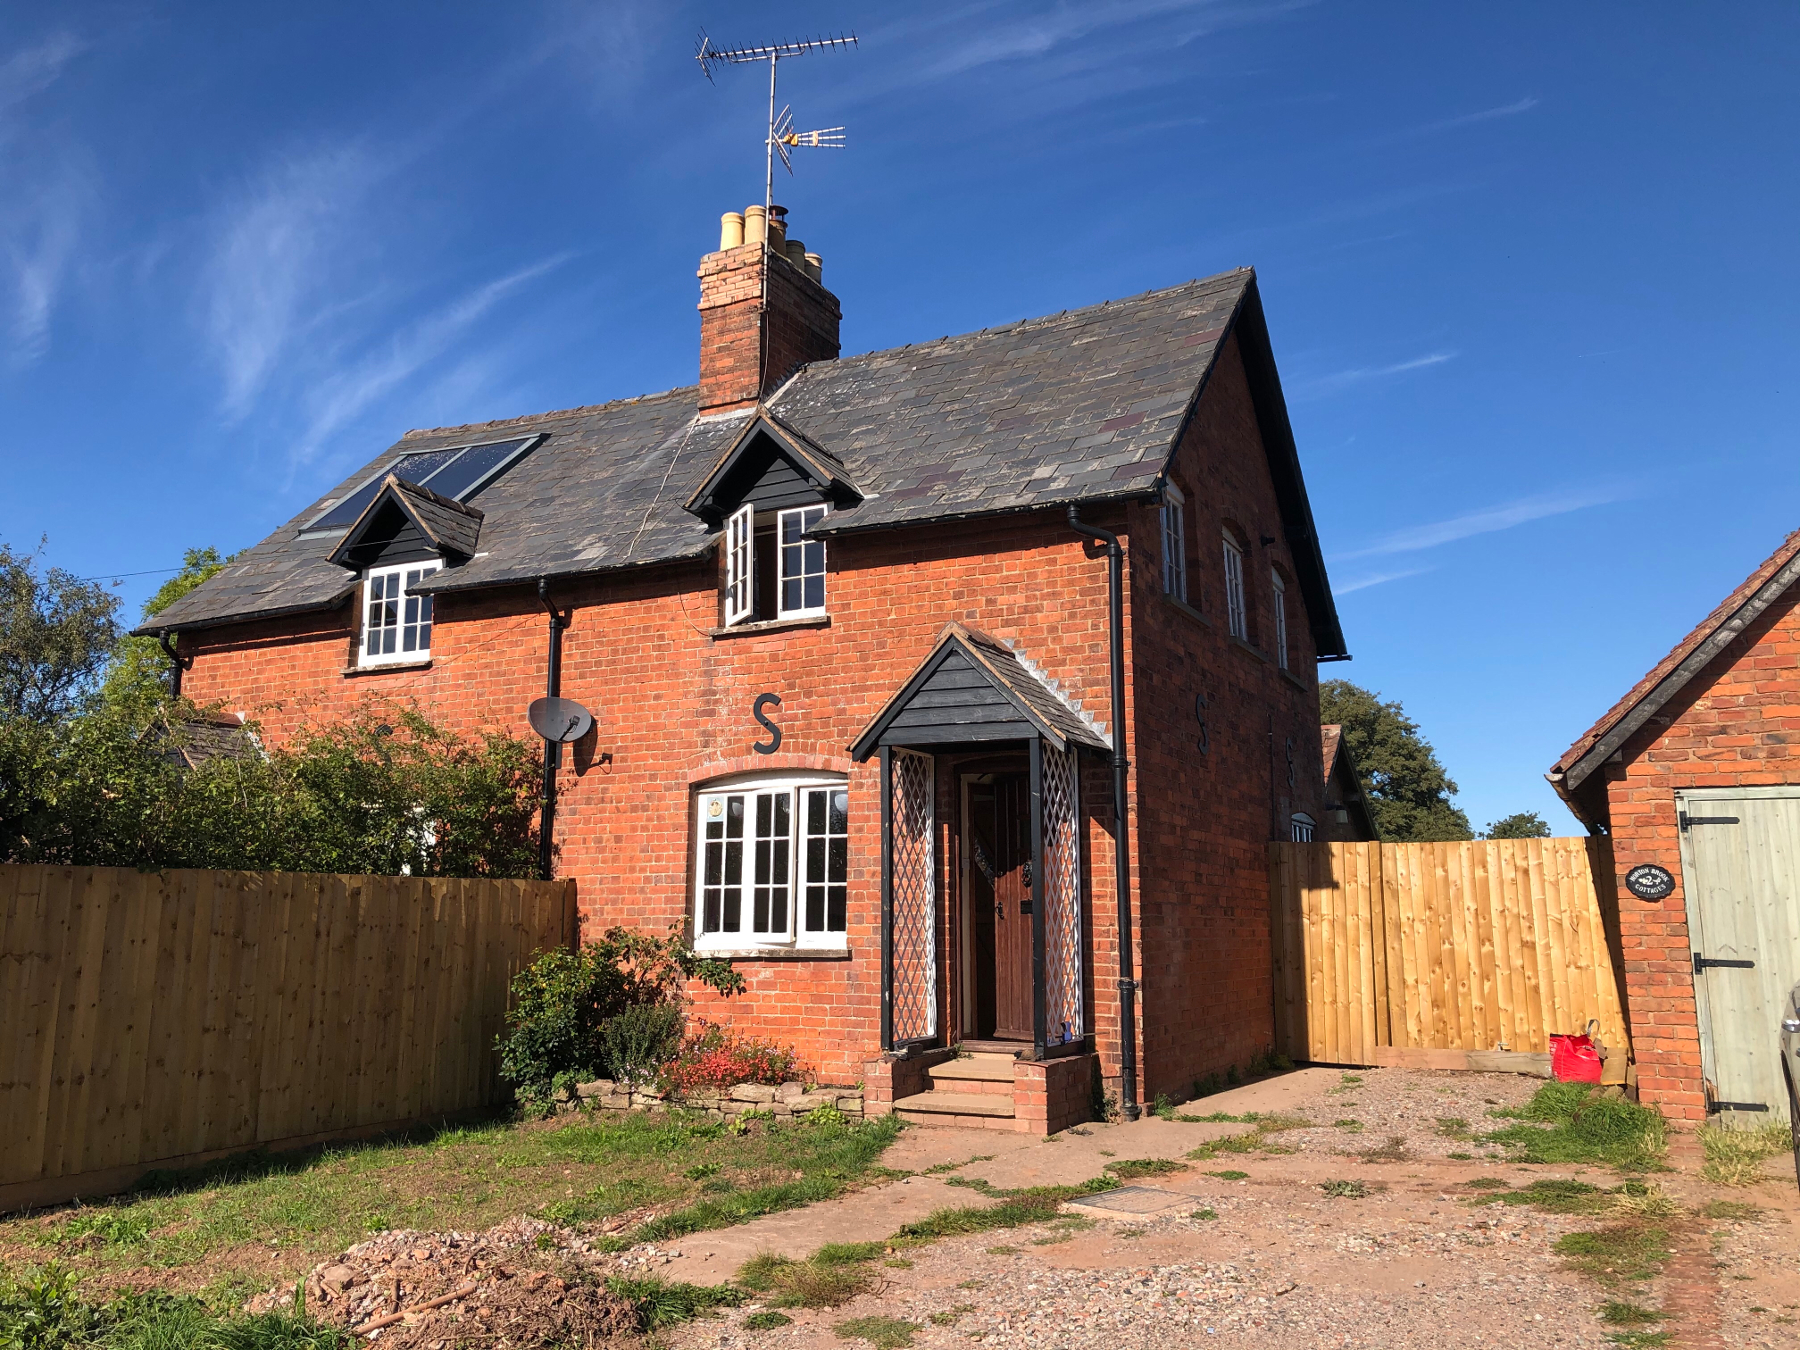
column 1647, row 881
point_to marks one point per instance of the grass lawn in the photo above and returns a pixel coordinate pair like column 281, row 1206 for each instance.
column 240, row 1227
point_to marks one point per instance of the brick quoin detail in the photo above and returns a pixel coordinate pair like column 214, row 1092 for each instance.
column 1735, row 725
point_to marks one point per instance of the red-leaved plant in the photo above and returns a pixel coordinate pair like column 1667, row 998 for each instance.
column 711, row 1057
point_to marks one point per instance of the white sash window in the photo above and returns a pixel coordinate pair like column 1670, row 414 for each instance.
column 802, row 563
column 740, row 566
column 1234, row 589
column 773, row 865
column 1174, row 544
column 1279, row 598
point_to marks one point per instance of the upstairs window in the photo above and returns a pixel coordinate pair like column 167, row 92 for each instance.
column 1235, row 617
column 1278, row 601
column 1301, row 828
column 1174, row 544
column 773, row 865
column 458, row 472
column 772, row 570
column 396, row 623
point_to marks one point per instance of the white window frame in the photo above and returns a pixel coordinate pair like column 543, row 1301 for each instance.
column 1301, row 827
column 1278, row 592
column 781, row 560
column 408, row 612
column 1174, row 543
column 803, row 864
column 740, row 566
column 1235, row 617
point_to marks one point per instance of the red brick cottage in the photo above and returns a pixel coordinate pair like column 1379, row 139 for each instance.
column 845, row 628
column 1695, row 777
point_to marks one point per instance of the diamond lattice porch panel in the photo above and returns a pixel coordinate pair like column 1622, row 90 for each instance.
column 1062, row 897
column 915, row 900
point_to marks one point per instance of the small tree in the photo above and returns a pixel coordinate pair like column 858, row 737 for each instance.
column 137, row 677
column 1519, row 825
column 56, row 633
column 1407, row 789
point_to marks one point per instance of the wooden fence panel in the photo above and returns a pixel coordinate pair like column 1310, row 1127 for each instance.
column 164, row 1019
column 1450, row 947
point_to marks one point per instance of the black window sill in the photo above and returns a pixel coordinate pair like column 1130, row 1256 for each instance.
column 1187, row 609
column 773, row 953
column 397, row 667
column 1246, row 648
column 1295, row 680
column 769, row 626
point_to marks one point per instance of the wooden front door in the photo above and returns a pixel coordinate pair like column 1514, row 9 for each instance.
column 1000, row 895
column 1741, row 859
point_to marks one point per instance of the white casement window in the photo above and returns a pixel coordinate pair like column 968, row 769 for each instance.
column 802, row 563
column 1174, row 544
column 1234, row 588
column 396, row 623
column 1278, row 598
column 1302, row 827
column 740, row 566
column 773, row 864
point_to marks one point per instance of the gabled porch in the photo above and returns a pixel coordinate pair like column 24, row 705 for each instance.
column 986, row 998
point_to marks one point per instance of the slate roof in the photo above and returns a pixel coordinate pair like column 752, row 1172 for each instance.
column 1669, row 676
column 1080, row 407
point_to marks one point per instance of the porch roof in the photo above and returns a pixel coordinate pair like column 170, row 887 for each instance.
column 974, row 688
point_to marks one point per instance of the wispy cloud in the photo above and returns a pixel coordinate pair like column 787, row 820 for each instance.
column 1376, row 579
column 1344, row 379
column 49, row 190
column 1416, row 538
column 1524, row 105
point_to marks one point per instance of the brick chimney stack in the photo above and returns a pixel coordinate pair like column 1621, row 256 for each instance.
column 756, row 331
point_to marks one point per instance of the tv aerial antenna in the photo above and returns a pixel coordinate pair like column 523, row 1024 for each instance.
column 782, row 136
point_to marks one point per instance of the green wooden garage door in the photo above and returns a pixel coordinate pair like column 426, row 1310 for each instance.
column 1740, row 852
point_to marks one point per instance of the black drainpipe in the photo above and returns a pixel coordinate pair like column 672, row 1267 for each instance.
column 177, row 662
column 1115, row 570
column 552, row 749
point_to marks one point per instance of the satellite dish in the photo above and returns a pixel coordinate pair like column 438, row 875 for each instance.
column 559, row 719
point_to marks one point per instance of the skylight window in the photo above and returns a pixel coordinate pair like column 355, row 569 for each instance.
column 457, row 473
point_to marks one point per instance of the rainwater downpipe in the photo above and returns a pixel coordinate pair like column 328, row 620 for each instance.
column 552, row 749
column 1115, row 580
column 170, row 642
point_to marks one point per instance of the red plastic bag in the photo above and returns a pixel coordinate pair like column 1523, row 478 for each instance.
column 1575, row 1059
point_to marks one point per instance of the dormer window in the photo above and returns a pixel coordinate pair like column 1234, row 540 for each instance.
column 773, row 570
column 396, row 622
column 802, row 568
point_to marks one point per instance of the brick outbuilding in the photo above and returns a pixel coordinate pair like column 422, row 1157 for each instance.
column 846, row 630
column 1695, row 776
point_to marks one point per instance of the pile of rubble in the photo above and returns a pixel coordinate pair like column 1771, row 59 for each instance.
column 522, row 1283
column 790, row 1099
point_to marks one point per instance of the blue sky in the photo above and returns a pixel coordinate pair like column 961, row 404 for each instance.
column 1530, row 270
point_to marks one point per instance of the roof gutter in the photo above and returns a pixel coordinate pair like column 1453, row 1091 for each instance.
column 1115, row 603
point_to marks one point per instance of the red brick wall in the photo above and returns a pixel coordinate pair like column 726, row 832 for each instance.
column 1736, row 726
column 1203, row 827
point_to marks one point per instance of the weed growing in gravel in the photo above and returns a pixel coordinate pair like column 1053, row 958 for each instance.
column 1002, row 1251
column 1487, row 1184
column 1639, row 1338
column 1453, row 1127
column 1036, row 1204
column 1354, row 1126
column 1618, row 1314
column 884, row 1333
column 1208, row 1213
column 1572, row 1123
column 1735, row 1157
column 938, row 1169
column 1127, row 1169
column 1392, row 1150
column 1344, row 1190
column 949, row 1315
column 813, row 1283
column 767, row 1321
column 1616, row 1254
column 1065, row 1228
column 973, row 1284
column 1729, row 1209
column 1230, row 1174
column 665, row 1303
column 1460, row 1157
column 897, row 1263
column 1253, row 1141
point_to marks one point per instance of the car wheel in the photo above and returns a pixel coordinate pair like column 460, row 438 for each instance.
column 1793, row 1115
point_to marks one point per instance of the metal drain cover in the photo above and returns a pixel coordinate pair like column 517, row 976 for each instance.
column 1134, row 1200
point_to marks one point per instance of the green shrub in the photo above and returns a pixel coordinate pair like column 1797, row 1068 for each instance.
column 635, row 1045
column 563, row 1001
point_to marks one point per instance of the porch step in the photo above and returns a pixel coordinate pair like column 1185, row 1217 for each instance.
column 986, row 1074
column 940, row 1104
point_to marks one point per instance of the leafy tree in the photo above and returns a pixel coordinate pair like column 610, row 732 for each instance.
column 56, row 633
column 137, row 679
column 1407, row 788
column 1519, row 825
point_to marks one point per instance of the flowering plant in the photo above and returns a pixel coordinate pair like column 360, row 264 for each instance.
column 712, row 1057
